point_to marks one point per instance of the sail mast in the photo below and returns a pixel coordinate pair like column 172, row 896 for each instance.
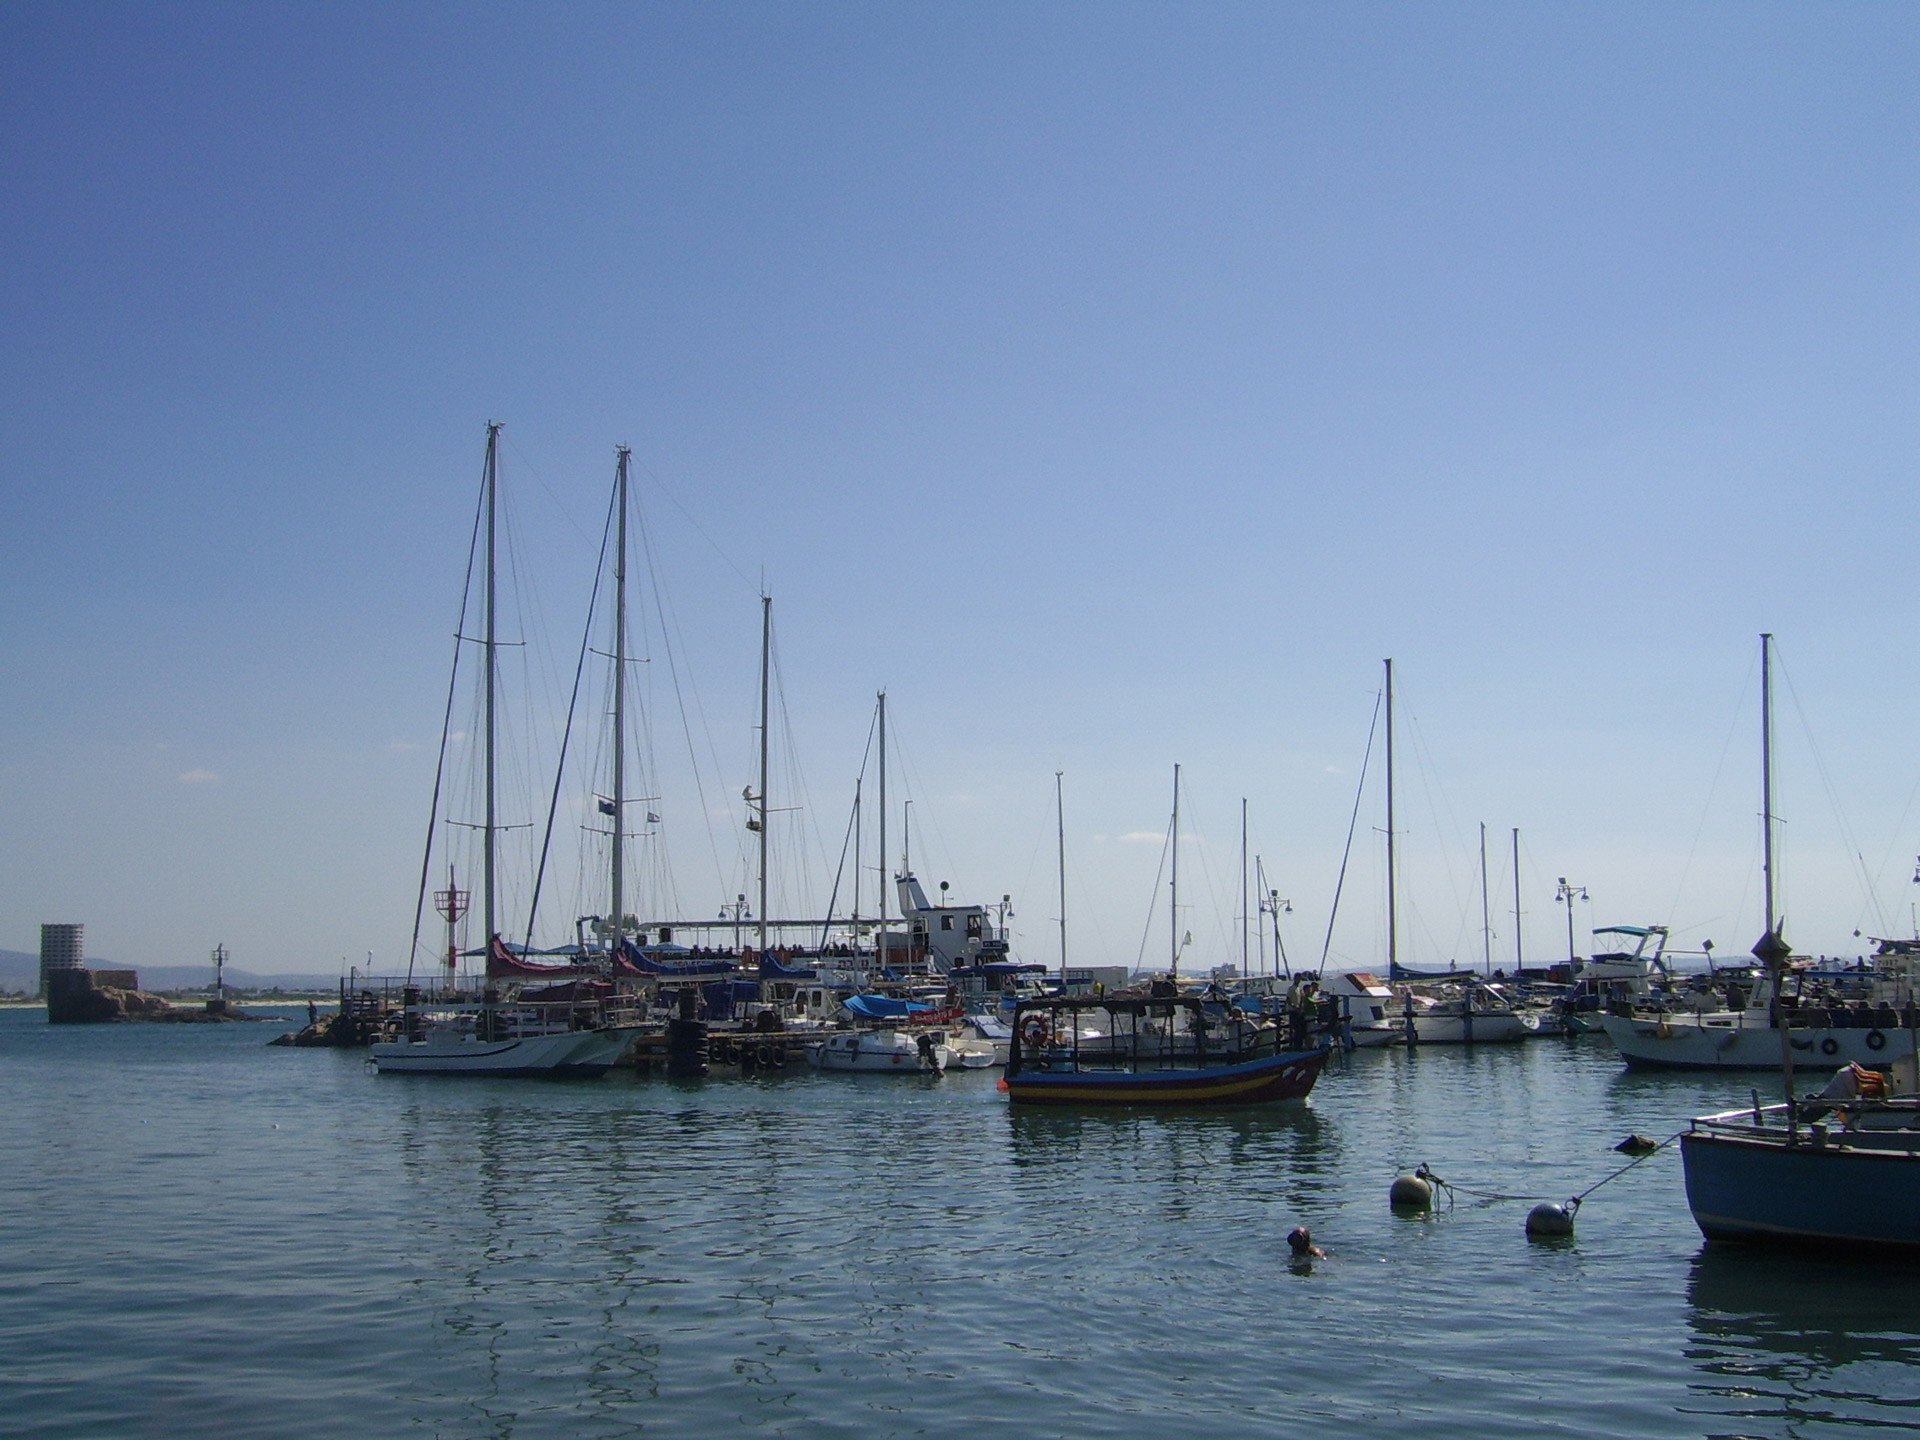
column 1060, row 836
column 1243, row 887
column 1486, row 915
column 1519, row 959
column 1393, row 873
column 1173, row 902
column 1766, row 773
column 880, row 948
column 766, row 651
column 493, row 477
column 619, row 796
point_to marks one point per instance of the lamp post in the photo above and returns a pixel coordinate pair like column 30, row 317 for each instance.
column 1566, row 895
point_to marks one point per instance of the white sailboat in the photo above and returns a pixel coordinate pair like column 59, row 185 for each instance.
column 562, row 1028
column 1881, row 1024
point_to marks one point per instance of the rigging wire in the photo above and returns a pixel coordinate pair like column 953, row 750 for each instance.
column 1353, row 821
column 446, row 725
column 566, row 735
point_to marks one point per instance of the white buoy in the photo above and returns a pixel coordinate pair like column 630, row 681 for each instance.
column 1410, row 1192
column 1547, row 1219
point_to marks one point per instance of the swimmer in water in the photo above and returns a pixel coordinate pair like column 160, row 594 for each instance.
column 1300, row 1242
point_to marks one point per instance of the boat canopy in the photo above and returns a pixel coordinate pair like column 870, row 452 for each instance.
column 884, row 1007
column 647, row 962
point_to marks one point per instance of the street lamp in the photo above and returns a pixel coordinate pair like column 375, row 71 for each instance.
column 1565, row 895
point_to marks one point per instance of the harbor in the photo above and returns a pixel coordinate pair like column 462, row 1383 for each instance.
column 817, row 1253
column 856, row 722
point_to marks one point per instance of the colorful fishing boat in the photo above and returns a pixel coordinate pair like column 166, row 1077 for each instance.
column 1156, row 1050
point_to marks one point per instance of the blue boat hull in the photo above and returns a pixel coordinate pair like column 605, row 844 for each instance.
column 1761, row 1190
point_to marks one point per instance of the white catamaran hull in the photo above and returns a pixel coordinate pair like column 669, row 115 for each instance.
column 582, row 1053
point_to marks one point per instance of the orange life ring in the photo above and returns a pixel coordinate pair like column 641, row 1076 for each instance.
column 1035, row 1031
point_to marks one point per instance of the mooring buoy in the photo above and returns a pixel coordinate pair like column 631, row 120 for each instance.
column 1410, row 1192
column 1547, row 1219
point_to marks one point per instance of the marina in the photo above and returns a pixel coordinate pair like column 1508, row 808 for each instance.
column 858, row 722
column 608, row 1256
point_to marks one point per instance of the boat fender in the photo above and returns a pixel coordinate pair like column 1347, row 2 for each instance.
column 1829, row 1046
column 1549, row 1221
column 1876, row 1040
column 1411, row 1193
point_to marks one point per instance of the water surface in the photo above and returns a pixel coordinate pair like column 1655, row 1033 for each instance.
column 206, row 1235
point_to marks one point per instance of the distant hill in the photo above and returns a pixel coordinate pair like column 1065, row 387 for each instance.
column 20, row 970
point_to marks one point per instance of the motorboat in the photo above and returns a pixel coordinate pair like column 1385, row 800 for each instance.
column 891, row 1052
column 1837, row 1171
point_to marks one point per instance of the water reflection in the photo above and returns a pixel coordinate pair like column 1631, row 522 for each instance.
column 1809, row 1341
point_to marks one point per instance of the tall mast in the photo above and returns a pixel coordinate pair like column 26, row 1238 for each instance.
column 619, row 703
column 1173, row 903
column 1486, row 916
column 1766, row 772
column 493, row 477
column 1243, row 886
column 856, row 862
column 766, row 651
column 1519, row 959
column 1393, row 873
column 880, row 950
column 1060, row 835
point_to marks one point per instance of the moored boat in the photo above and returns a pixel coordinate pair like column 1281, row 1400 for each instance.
column 890, row 1052
column 1155, row 1050
column 1838, row 1172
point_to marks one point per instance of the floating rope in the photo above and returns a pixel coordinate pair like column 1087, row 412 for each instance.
column 1425, row 1172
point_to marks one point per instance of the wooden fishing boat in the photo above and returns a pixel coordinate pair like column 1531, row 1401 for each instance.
column 1155, row 1050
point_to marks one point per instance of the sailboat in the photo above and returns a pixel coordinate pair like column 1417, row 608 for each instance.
column 564, row 1027
column 1836, row 1171
column 1816, row 1025
column 1448, row 1008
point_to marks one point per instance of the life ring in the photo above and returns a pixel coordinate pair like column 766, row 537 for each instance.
column 1831, row 1046
column 1035, row 1031
column 1876, row 1040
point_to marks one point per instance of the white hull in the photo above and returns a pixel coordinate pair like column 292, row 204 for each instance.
column 568, row 1053
column 878, row 1052
column 1376, row 1037
column 1745, row 1041
column 1491, row 1029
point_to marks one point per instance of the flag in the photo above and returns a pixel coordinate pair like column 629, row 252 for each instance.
column 607, row 807
column 652, row 818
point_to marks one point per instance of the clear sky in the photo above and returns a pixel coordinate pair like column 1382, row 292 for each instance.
column 1115, row 385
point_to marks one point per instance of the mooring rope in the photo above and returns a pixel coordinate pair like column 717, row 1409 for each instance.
column 1425, row 1172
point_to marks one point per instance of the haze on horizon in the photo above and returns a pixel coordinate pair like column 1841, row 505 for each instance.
column 1114, row 386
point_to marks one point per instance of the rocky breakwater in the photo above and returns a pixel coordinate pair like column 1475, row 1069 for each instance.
column 105, row 997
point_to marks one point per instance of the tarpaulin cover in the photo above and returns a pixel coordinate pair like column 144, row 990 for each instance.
column 883, row 1007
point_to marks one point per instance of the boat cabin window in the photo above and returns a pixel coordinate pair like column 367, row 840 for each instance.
column 946, row 922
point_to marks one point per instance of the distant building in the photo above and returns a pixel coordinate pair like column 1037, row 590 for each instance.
column 62, row 947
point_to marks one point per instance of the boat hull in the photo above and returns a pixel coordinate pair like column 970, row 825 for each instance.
column 577, row 1054
column 887, row 1053
column 1494, row 1029
column 1288, row 1075
column 1701, row 1044
column 1766, row 1191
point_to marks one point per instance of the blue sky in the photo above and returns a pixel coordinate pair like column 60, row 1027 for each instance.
column 1114, row 385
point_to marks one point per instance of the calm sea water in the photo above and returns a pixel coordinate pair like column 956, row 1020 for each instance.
column 205, row 1236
